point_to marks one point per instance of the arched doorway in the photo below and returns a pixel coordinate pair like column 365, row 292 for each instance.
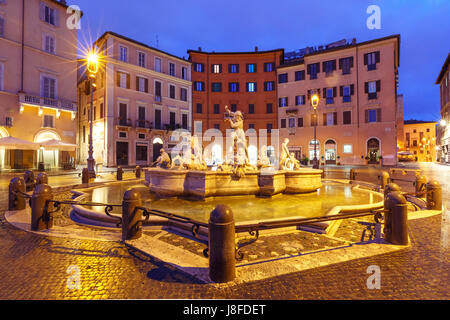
column 373, row 150
column 157, row 146
column 330, row 152
column 311, row 150
column 50, row 158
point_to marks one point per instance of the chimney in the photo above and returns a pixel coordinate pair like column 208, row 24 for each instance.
column 200, row 49
column 63, row 2
column 256, row 48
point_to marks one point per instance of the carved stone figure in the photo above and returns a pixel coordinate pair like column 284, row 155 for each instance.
column 239, row 142
column 263, row 159
column 284, row 156
column 163, row 160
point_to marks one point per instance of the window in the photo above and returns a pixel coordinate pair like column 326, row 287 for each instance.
column 313, row 69
column 414, row 143
column 346, row 92
column 251, row 108
column 347, row 148
column 291, row 122
column 283, row 123
column 141, row 136
column 269, row 85
column 300, row 122
column 329, row 94
column 49, row 44
column 347, row 117
column 2, row 27
column 330, row 119
column 233, row 68
column 251, row 67
column 300, row 75
column 251, row 86
column 283, row 78
column 216, row 108
column 123, row 134
column 345, row 64
column 199, row 86
column 269, row 127
column 269, row 66
column 269, row 108
column 171, row 91
column 233, row 107
column 251, row 126
column 184, row 73
column 84, row 134
column 283, row 102
column 141, row 152
column 102, row 110
column 373, row 115
column 8, row 122
column 158, row 65
column 371, row 88
column 216, row 68
column 199, row 108
column 313, row 120
column 172, row 119
column 184, row 121
column 123, row 54
column 141, row 84
column 233, row 87
column 172, row 69
column 123, row 80
column 371, row 60
column 216, row 87
column 183, row 94
column 48, row 14
column 158, row 90
column 48, row 121
column 428, row 129
column 328, row 67
column 299, row 100
column 48, row 87
column 217, row 126
column 141, row 59
column 199, row 67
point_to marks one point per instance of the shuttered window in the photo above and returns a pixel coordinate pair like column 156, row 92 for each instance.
column 172, row 92
column 183, row 94
column 48, row 121
column 123, row 80
column 371, row 59
column 2, row 27
column 141, row 84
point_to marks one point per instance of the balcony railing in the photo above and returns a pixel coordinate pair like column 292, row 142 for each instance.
column 124, row 122
column 144, row 124
column 158, row 98
column 36, row 100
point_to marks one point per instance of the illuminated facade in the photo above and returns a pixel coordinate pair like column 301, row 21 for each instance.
column 37, row 82
column 420, row 140
column 357, row 112
column 142, row 94
column 443, row 81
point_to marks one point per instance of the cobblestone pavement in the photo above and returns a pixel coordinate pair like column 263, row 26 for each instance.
column 35, row 267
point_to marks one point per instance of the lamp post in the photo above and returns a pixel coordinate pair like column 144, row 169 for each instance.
column 92, row 67
column 315, row 103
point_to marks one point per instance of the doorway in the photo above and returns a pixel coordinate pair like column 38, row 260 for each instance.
column 122, row 153
column 330, row 152
column 373, row 150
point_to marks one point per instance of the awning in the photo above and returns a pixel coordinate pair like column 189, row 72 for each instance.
column 17, row 144
column 57, row 145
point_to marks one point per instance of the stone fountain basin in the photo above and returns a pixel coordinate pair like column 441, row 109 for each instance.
column 203, row 184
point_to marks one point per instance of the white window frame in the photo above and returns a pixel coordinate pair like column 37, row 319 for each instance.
column 174, row 68
column 216, row 68
column 168, row 88
column 160, row 64
column 46, row 36
column 42, row 79
column 141, row 84
column 123, row 79
column 330, row 119
column 185, row 73
column 372, row 87
column 291, row 120
column 125, row 51
column 144, row 64
column 187, row 94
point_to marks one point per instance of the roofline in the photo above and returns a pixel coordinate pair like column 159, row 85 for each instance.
column 418, row 122
column 114, row 34
column 344, row 47
column 65, row 6
column 235, row 52
column 443, row 69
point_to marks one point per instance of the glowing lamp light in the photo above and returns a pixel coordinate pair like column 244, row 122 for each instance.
column 315, row 100
column 443, row 123
column 22, row 108
column 58, row 114
column 92, row 63
column 40, row 112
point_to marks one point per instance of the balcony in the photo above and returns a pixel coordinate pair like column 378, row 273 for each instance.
column 38, row 101
column 143, row 124
column 124, row 122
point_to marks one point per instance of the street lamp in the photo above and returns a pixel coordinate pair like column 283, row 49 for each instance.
column 443, row 123
column 315, row 103
column 92, row 68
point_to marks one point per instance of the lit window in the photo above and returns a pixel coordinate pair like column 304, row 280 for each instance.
column 251, row 67
column 251, row 87
column 216, row 68
column 348, row 148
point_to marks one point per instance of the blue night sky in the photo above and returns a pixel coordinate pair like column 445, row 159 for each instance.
column 231, row 25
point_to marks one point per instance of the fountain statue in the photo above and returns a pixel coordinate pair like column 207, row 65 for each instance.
column 163, row 161
column 263, row 159
column 287, row 159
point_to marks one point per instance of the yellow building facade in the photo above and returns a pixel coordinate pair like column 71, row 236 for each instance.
column 420, row 140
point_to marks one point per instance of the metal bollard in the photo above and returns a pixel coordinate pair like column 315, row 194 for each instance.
column 421, row 186
column 30, row 182
column 138, row 172
column 131, row 218
column 16, row 201
column 396, row 219
column 85, row 176
column 221, row 243
column 434, row 195
column 42, row 178
column 384, row 179
column 390, row 187
column 40, row 219
column 119, row 173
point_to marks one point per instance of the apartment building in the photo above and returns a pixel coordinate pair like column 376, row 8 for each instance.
column 245, row 81
column 38, row 82
column 444, row 130
column 420, row 140
column 142, row 94
column 356, row 114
